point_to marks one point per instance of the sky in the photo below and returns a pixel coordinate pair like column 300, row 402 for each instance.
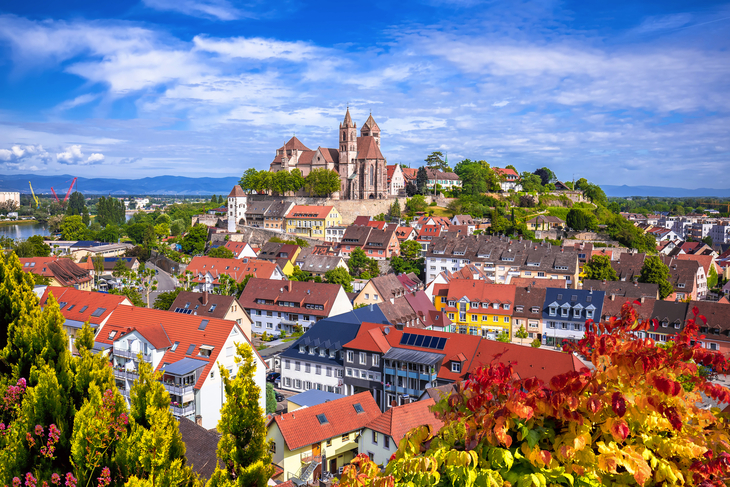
column 622, row 92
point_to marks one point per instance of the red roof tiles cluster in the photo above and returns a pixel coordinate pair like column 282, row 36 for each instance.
column 399, row 420
column 237, row 269
column 305, row 212
column 65, row 271
column 84, row 305
column 315, row 424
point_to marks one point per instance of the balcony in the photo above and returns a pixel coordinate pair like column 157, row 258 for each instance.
column 126, row 374
column 288, row 322
column 133, row 355
column 179, row 390
column 183, row 410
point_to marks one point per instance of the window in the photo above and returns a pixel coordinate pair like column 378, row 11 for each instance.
column 287, row 381
column 190, row 349
column 71, row 307
column 495, row 318
column 174, row 346
column 375, row 437
column 350, row 356
column 322, row 419
column 376, row 360
column 98, row 312
column 375, row 296
column 346, row 437
column 455, row 366
column 205, row 350
column 287, row 364
column 301, row 348
column 297, row 384
column 386, row 442
column 308, row 368
column 553, row 310
column 363, row 358
column 506, row 319
column 307, row 385
column 329, row 371
column 358, row 408
column 367, row 296
column 297, row 365
column 589, row 314
column 273, row 447
column 318, row 369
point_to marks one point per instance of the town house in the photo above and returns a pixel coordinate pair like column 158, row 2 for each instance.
column 565, row 312
column 217, row 306
column 204, row 273
column 311, row 221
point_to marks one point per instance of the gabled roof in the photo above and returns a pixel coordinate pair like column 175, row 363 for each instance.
column 409, row 173
column 362, row 220
column 236, row 247
column 367, row 148
column 84, row 305
column 237, row 269
column 399, row 420
column 478, row 291
column 388, row 286
column 237, row 191
column 162, row 329
column 203, row 304
column 391, row 170
column 65, row 271
column 314, row 397
column 623, row 288
column 330, row 155
column 370, row 123
column 294, row 144
column 704, row 260
column 505, row 171
column 304, row 293
column 200, row 447
column 436, row 174
column 538, row 283
column 304, row 211
column 314, row 424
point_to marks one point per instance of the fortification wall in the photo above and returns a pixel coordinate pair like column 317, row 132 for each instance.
column 349, row 209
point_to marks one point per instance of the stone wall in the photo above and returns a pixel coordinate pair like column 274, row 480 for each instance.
column 577, row 236
column 256, row 237
column 349, row 209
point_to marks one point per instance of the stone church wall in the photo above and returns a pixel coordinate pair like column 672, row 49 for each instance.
column 349, row 209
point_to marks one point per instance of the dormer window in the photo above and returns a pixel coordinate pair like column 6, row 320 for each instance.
column 301, row 348
column 565, row 312
column 456, row 367
column 553, row 310
column 576, row 313
column 452, row 303
column 205, row 350
column 680, row 285
column 589, row 314
column 495, row 305
column 665, row 323
column 505, row 306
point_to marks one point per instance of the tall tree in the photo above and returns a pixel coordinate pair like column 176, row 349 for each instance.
column 194, row 241
column 437, row 160
column 73, row 228
column 242, row 450
column 656, row 272
column 339, row 276
column 546, row 175
column 164, row 300
column 599, row 267
column 322, row 182
column 422, row 180
column 76, row 204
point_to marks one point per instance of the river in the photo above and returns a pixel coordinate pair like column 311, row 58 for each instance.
column 24, row 231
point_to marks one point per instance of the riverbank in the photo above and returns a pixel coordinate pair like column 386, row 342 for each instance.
column 6, row 223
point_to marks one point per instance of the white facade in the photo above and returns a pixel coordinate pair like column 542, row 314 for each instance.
column 378, row 446
column 272, row 322
column 302, row 375
column 720, row 233
column 10, row 196
column 397, row 181
column 237, row 206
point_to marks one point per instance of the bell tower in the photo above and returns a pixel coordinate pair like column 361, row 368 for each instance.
column 348, row 153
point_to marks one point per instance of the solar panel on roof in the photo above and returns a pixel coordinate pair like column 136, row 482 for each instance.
column 419, row 341
column 404, row 338
column 412, row 339
column 441, row 344
column 98, row 312
column 427, row 341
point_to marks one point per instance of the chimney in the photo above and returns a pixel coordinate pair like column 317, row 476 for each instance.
column 642, row 300
column 199, row 420
column 289, row 283
column 636, row 284
column 613, row 297
column 205, row 298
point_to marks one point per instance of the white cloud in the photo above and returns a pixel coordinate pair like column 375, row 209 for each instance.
column 258, row 48
column 215, row 9
column 79, row 100
column 500, row 104
column 73, row 156
column 19, row 153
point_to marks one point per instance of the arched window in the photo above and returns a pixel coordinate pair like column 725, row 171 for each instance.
column 371, row 176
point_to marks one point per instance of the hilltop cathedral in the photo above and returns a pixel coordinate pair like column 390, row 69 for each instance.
column 358, row 161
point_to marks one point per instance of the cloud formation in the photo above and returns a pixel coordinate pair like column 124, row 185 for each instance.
column 73, row 156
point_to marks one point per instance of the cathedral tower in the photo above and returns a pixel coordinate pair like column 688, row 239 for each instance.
column 348, row 152
column 370, row 128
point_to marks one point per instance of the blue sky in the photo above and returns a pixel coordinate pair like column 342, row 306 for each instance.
column 617, row 92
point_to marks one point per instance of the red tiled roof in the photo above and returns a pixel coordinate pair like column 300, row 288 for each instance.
column 370, row 123
column 236, row 192
column 302, row 428
column 429, row 231
column 505, row 171
column 370, row 338
column 330, row 155
column 163, row 328
column 234, row 268
column 704, row 260
column 404, row 232
column 391, row 170
column 377, row 224
column 294, row 144
column 539, row 283
column 236, row 247
column 478, row 291
column 273, row 291
column 305, row 212
column 65, row 271
column 362, row 220
column 306, row 157
column 409, row 173
column 367, row 148
column 80, row 305
column 399, row 420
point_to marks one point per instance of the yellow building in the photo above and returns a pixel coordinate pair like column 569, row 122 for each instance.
column 476, row 307
column 305, row 442
column 311, row 221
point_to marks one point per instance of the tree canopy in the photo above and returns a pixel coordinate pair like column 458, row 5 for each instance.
column 633, row 419
column 194, row 241
column 655, row 271
column 599, row 268
column 437, row 160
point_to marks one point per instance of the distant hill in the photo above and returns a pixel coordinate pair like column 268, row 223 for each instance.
column 159, row 185
column 662, row 191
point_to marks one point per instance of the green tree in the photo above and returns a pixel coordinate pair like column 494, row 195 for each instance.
column 579, row 219
column 522, row 333
column 242, row 449
column 503, row 337
column 340, row 276
column 144, row 279
column 394, row 211
column 109, row 234
column 73, row 228
column 33, row 246
column 531, row 182
column 220, row 253
column 76, row 204
column 476, row 177
column 249, row 180
column 132, row 294
column 416, row 204
column 546, row 175
column 437, row 160
column 360, row 264
column 707, row 240
column 270, row 398
column 409, row 260
column 422, row 180
column 712, row 277
column 164, row 300
column 322, row 182
column 599, row 268
column 595, row 194
column 194, row 241
column 656, row 272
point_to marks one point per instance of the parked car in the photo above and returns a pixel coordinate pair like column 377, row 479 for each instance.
column 279, row 396
column 272, row 376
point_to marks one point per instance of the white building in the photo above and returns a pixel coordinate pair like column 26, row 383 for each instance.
column 237, row 205
column 10, row 196
column 396, row 181
column 187, row 349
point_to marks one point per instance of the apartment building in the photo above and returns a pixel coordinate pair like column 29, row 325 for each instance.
column 281, row 305
column 500, row 258
column 529, row 301
column 477, row 308
column 312, row 221
column 187, row 349
column 216, row 306
column 565, row 312
column 204, row 273
column 60, row 272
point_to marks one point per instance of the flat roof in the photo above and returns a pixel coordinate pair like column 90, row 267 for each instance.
column 184, row 366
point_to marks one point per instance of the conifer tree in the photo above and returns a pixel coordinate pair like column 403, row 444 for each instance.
column 242, row 449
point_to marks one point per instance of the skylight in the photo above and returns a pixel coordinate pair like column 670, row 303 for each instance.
column 98, row 312
column 212, row 308
column 174, row 346
column 190, row 349
column 322, row 419
column 83, row 309
column 71, row 307
column 112, row 334
column 62, row 304
column 203, row 324
column 358, row 408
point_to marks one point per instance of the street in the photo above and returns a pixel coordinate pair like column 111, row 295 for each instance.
column 165, row 283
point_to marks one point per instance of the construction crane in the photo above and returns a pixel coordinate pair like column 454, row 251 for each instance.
column 720, row 204
column 67, row 192
column 37, row 204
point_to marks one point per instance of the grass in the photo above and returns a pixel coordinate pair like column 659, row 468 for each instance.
column 440, row 211
column 558, row 211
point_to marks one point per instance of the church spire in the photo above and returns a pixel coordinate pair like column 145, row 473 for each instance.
column 348, row 118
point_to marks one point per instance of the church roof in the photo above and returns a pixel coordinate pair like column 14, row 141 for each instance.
column 294, row 144
column 306, row 157
column 348, row 118
column 330, row 155
column 370, row 123
column 367, row 148
column 236, row 192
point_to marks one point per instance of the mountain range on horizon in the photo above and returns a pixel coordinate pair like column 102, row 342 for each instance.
column 184, row 186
